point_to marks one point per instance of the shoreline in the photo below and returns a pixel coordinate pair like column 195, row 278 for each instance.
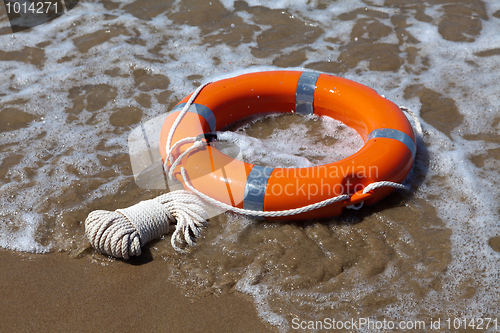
column 55, row 293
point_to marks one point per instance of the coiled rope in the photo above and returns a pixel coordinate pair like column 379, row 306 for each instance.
column 122, row 233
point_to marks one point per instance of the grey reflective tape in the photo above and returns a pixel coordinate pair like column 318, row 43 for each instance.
column 396, row 135
column 203, row 111
column 304, row 96
column 255, row 188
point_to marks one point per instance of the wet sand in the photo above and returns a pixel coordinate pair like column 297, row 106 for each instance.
column 56, row 293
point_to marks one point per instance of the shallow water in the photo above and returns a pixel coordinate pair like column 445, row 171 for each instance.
column 73, row 89
column 290, row 140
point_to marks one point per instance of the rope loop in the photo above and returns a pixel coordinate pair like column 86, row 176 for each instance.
column 418, row 125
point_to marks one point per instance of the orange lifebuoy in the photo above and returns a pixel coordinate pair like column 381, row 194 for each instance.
column 387, row 155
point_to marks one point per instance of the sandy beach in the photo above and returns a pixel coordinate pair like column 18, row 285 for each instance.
column 56, row 293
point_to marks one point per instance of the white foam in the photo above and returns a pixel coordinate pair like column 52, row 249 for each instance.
column 23, row 237
column 293, row 147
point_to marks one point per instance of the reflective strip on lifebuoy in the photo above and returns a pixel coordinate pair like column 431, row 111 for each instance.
column 396, row 135
column 255, row 187
column 202, row 110
column 387, row 155
column 304, row 96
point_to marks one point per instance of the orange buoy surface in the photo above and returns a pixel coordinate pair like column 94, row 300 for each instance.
column 387, row 155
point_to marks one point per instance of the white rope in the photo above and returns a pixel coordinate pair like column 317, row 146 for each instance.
column 357, row 206
column 181, row 141
column 271, row 213
column 178, row 120
column 418, row 125
column 122, row 232
column 372, row 186
column 174, row 165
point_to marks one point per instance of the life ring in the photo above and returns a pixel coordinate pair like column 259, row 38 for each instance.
column 387, row 155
